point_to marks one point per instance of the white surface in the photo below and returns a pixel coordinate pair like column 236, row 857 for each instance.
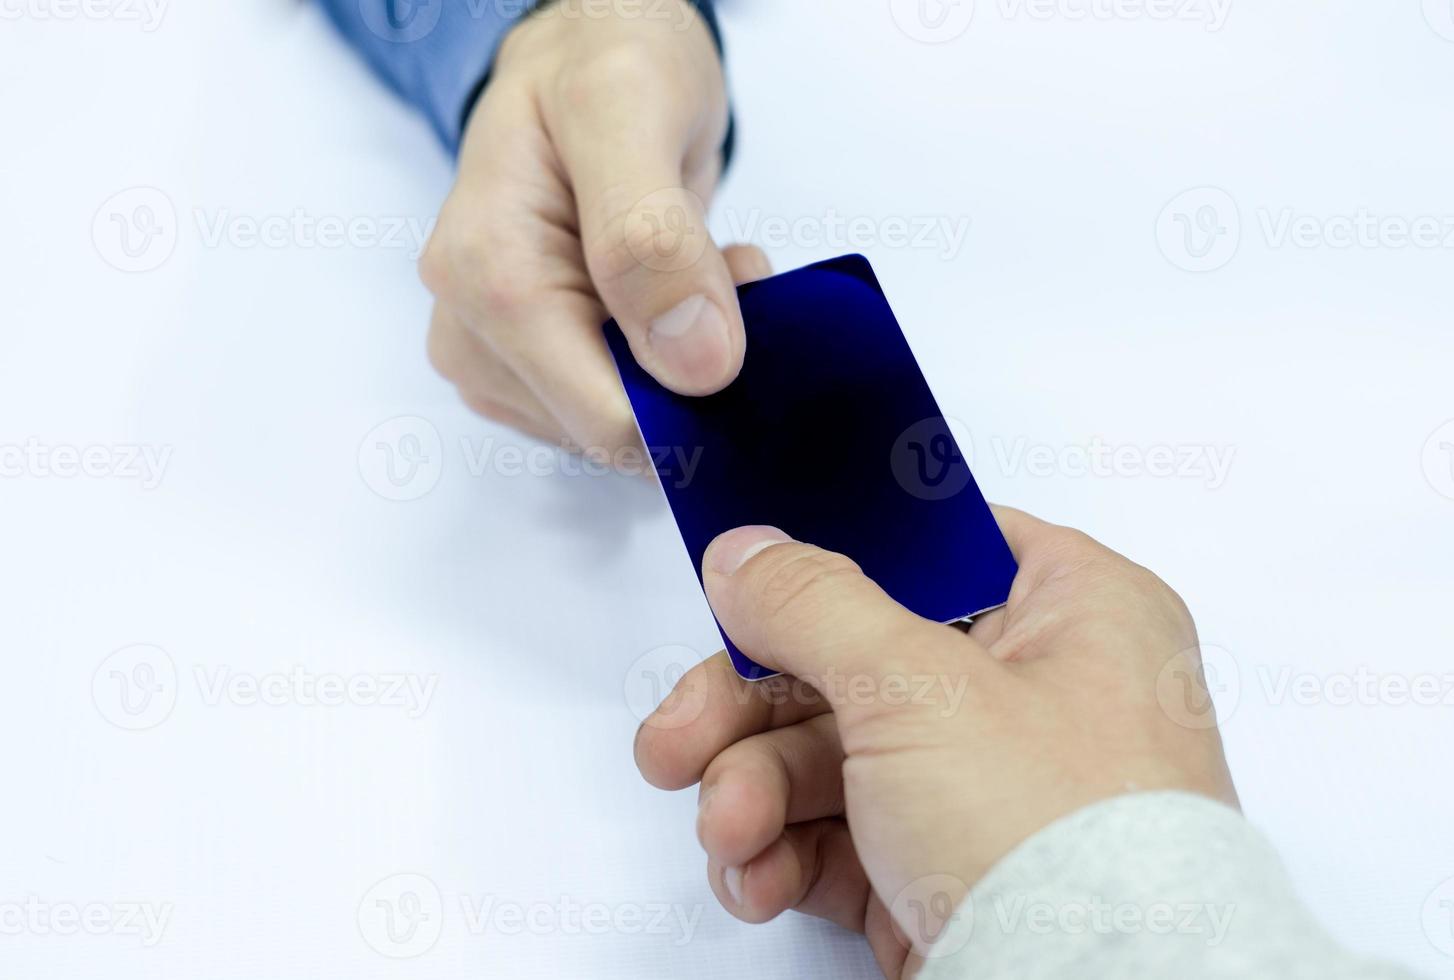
column 528, row 599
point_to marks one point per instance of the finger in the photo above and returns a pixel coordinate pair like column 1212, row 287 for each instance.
column 549, row 337
column 1021, row 530
column 757, row 787
column 485, row 384
column 553, row 341
column 815, row 615
column 1063, row 572
column 747, row 263
column 1030, row 540
column 508, row 415
column 889, row 951
column 1042, row 549
column 811, row 868
column 505, row 258
column 711, row 708
column 1037, row 543
column 650, row 255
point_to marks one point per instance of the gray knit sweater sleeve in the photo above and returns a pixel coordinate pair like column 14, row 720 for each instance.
column 1149, row 885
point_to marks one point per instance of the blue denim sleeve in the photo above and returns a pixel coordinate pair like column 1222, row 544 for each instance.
column 436, row 54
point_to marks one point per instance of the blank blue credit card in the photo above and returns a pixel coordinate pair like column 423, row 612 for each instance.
column 831, row 434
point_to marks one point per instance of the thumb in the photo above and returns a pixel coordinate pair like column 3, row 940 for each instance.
column 814, row 614
column 652, row 260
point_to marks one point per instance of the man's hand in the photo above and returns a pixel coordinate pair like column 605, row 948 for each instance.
column 582, row 178
column 904, row 758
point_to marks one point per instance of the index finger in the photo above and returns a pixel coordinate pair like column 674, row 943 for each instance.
column 674, row 755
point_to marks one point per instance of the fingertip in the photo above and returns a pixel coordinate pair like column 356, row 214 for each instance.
column 668, row 746
column 709, row 709
column 747, row 263
column 663, row 757
column 737, row 818
column 694, row 347
column 643, row 752
column 730, row 550
column 761, row 889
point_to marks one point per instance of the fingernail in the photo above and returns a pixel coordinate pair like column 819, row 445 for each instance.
column 690, row 339
column 732, row 878
column 731, row 550
column 702, row 808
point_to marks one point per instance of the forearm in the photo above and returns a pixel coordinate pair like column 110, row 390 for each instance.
column 1146, row 885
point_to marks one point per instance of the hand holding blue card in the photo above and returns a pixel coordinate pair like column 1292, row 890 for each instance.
column 831, row 434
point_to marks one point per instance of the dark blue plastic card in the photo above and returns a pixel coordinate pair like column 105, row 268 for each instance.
column 830, row 433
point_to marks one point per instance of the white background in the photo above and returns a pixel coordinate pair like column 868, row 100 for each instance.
column 1068, row 315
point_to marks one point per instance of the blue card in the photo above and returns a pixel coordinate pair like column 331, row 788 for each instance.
column 830, row 433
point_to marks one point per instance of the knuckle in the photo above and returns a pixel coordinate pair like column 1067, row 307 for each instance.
column 797, row 584
column 625, row 236
column 443, row 353
column 1066, row 551
column 663, row 232
column 442, row 254
column 610, row 258
column 499, row 293
column 468, row 262
column 433, row 266
column 637, row 233
column 1073, row 543
column 1158, row 593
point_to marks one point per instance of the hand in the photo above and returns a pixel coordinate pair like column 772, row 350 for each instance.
column 579, row 197
column 905, row 754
